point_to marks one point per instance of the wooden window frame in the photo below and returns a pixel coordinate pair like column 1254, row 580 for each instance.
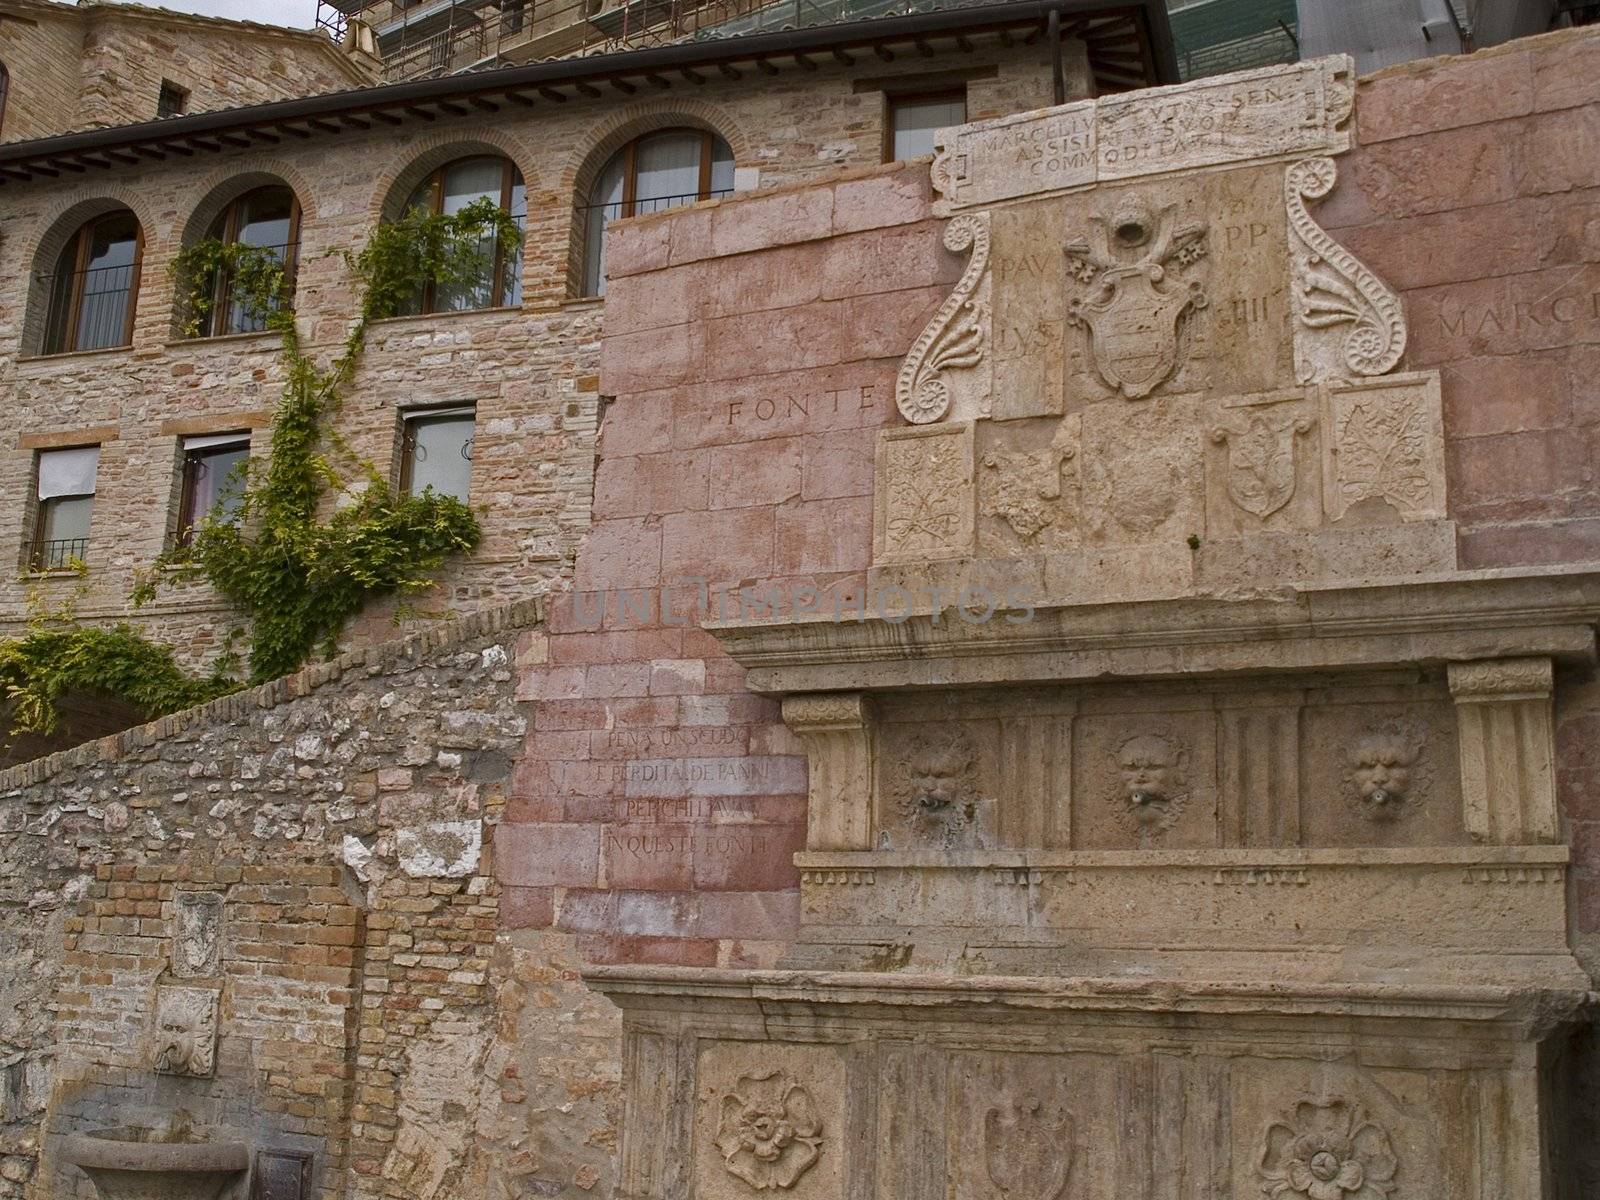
column 435, row 182
column 187, row 517
column 894, row 99
column 630, row 164
column 83, row 239
column 222, row 286
column 34, row 563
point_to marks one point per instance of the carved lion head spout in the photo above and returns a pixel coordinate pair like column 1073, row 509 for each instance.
column 1382, row 765
column 937, row 796
column 1152, row 780
column 936, row 771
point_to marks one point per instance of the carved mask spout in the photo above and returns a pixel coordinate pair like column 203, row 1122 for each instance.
column 172, row 1058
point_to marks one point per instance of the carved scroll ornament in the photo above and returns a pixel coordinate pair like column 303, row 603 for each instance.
column 1334, row 291
column 957, row 337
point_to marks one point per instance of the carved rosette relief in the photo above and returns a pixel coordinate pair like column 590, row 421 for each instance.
column 1388, row 772
column 1132, row 284
column 957, row 339
column 1151, row 785
column 1027, row 1148
column 1327, row 1151
column 935, row 795
column 769, row 1133
column 1261, row 460
column 1348, row 321
column 186, row 1031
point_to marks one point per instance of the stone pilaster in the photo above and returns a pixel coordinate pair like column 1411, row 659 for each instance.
column 837, row 730
column 1504, row 719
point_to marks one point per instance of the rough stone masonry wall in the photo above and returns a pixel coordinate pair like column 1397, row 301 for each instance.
column 75, row 67
column 751, row 348
column 532, row 371
column 346, row 816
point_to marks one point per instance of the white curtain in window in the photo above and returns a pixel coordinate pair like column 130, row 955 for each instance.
column 68, row 472
column 206, row 441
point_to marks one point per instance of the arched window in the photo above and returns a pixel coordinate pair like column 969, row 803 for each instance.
column 451, row 188
column 659, row 170
column 95, row 286
column 267, row 217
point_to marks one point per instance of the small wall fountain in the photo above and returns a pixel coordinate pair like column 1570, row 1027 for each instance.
column 177, row 1162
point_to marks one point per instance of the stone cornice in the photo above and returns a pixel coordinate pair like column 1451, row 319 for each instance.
column 1448, row 618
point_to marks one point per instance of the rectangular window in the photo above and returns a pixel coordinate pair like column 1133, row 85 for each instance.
column 66, row 500
column 172, row 101
column 436, row 451
column 213, row 480
column 914, row 119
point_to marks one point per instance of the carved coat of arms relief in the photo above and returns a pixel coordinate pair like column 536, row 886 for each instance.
column 1132, row 284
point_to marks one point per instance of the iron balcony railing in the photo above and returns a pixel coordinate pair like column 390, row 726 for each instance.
column 57, row 555
column 645, row 204
column 89, row 309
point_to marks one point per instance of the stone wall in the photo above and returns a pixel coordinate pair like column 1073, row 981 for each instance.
column 77, row 67
column 317, row 854
column 531, row 372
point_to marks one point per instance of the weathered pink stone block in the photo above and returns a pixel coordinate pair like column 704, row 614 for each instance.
column 548, row 855
column 1444, row 94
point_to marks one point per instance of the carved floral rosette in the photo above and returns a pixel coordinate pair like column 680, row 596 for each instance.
column 1327, row 1151
column 769, row 1134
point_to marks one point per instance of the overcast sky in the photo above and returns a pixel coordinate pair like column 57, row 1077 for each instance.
column 297, row 14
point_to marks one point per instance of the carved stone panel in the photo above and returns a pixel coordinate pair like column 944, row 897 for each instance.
column 1383, row 450
column 1030, row 489
column 185, row 1038
column 196, row 934
column 767, row 1121
column 1381, row 770
column 1258, row 115
column 925, row 505
column 1263, row 466
column 1142, row 474
column 1035, row 1127
column 1308, row 1131
column 1144, row 779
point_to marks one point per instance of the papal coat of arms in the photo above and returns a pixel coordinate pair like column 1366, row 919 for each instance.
column 1133, row 297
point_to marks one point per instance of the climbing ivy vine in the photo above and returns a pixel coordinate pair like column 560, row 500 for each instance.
column 318, row 533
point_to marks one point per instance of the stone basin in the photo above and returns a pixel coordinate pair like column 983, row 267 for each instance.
column 144, row 1164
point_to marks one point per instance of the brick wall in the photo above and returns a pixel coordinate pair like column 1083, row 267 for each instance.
column 346, row 818
column 80, row 66
column 531, row 372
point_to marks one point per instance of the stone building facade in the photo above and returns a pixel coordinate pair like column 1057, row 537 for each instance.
column 84, row 66
column 529, row 371
column 681, row 727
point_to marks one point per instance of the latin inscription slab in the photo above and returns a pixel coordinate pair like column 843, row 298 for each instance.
column 1250, row 116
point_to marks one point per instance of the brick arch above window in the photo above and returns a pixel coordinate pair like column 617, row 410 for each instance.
column 222, row 188
column 634, row 121
column 426, row 155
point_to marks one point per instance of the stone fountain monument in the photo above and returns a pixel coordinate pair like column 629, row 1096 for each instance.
column 1182, row 816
